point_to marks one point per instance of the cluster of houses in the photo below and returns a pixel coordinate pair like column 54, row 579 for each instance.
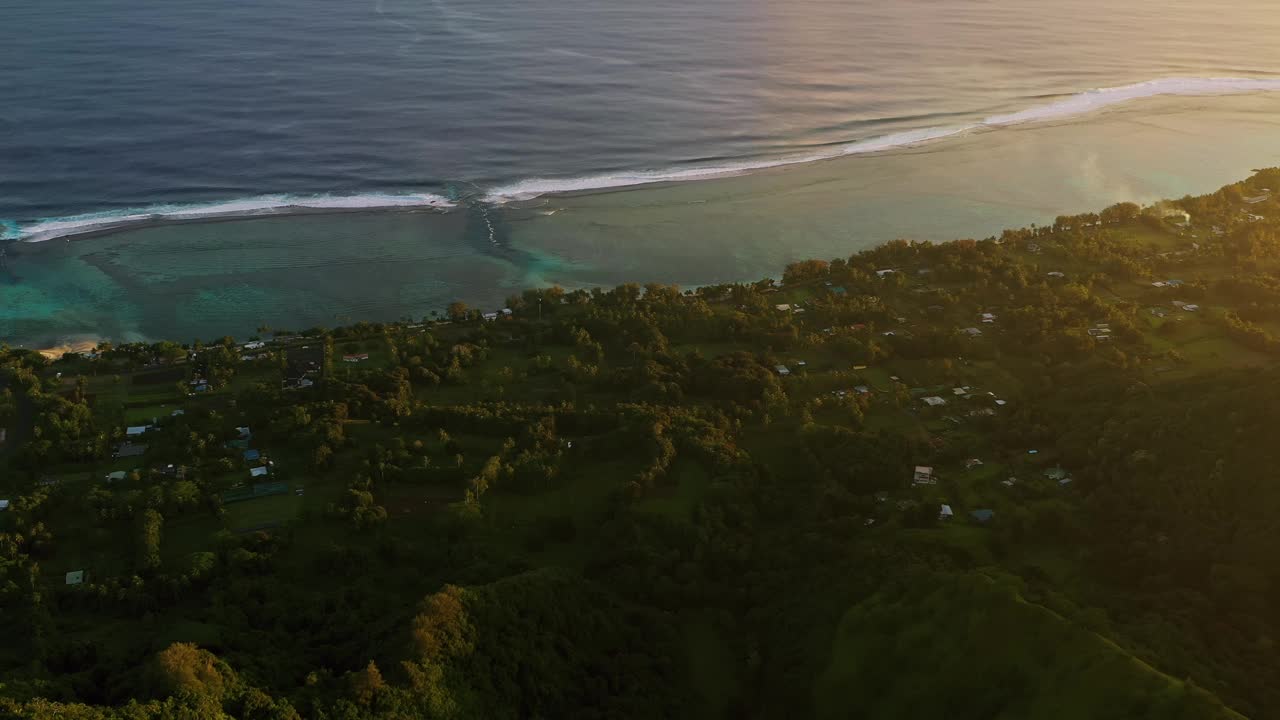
column 492, row 316
column 924, row 475
column 259, row 466
column 964, row 392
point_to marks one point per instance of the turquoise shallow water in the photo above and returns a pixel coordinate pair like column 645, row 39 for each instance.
column 205, row 280
column 117, row 112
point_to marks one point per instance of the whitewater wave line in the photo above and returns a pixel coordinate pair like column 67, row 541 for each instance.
column 1071, row 106
column 261, row 206
column 1068, row 106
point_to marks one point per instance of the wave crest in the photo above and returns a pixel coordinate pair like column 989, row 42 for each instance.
column 261, row 206
column 1067, row 106
column 1070, row 106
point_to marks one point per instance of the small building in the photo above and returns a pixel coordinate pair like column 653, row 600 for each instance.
column 4, row 504
column 933, row 401
column 75, row 577
column 490, row 316
column 255, row 345
column 1057, row 474
column 782, row 308
column 506, row 312
column 116, row 476
column 1056, row 274
column 923, row 476
column 782, row 370
column 982, row 516
column 945, row 513
column 885, row 272
column 136, row 430
column 244, row 433
column 972, row 463
column 258, row 471
column 971, row 331
column 988, row 318
column 862, row 389
column 355, row 358
column 1190, row 307
column 252, row 455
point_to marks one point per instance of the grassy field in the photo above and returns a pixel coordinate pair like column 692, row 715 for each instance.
column 271, row 510
column 960, row 634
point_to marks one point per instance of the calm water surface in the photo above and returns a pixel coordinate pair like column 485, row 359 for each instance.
column 149, row 110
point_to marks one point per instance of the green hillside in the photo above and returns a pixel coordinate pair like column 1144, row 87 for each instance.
column 969, row 646
column 1028, row 476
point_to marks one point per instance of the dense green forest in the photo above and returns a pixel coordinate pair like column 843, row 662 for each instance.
column 1029, row 476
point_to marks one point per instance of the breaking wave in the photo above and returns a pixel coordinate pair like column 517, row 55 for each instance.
column 1064, row 107
column 266, row 205
column 1069, row 106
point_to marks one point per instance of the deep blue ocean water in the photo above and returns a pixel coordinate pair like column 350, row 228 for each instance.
column 119, row 109
column 109, row 105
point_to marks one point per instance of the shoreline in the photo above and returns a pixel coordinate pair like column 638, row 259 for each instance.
column 322, row 267
column 70, row 347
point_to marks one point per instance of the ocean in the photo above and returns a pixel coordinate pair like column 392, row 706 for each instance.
column 199, row 168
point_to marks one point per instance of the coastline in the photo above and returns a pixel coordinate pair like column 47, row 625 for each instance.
column 201, row 278
column 71, row 347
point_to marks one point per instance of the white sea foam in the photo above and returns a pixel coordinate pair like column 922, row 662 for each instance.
column 1072, row 106
column 1069, row 106
column 54, row 228
column 1094, row 100
column 536, row 187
